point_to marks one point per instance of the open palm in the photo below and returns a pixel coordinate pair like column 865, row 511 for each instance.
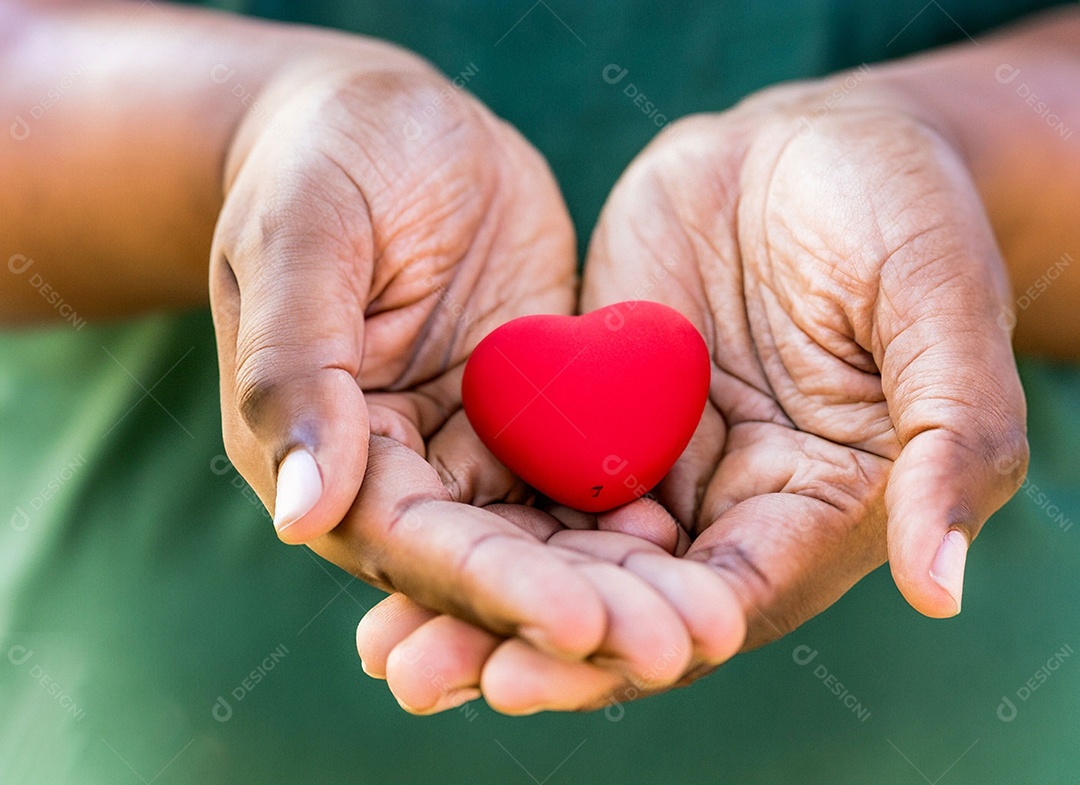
column 361, row 255
column 864, row 402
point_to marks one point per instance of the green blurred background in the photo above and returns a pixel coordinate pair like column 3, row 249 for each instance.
column 140, row 582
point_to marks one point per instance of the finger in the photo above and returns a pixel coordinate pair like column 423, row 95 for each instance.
column 645, row 519
column 390, row 421
column 787, row 558
column 519, row 680
column 288, row 312
column 794, row 522
column 681, row 491
column 412, row 416
column 711, row 613
column 570, row 518
column 405, row 534
column 645, row 639
column 708, row 606
column 468, row 469
column 923, row 291
column 536, row 522
column 949, row 375
column 438, row 666
column 384, row 627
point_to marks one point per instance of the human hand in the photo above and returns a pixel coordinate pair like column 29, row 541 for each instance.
column 864, row 402
column 360, row 256
column 865, row 398
column 661, row 616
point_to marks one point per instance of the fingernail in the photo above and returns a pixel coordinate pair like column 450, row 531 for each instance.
column 299, row 487
column 948, row 567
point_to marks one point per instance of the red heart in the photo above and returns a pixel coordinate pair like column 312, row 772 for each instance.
column 590, row 410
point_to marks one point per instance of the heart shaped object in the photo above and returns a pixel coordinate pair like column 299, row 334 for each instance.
column 590, row 410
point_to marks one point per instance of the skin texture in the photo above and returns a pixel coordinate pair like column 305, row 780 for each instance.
column 840, row 259
column 865, row 400
column 366, row 223
column 844, row 392
column 359, row 258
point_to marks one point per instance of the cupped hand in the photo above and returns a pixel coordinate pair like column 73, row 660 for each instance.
column 667, row 617
column 656, row 628
column 378, row 223
column 865, row 402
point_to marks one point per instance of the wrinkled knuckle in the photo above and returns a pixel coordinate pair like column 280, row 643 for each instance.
column 257, row 386
column 405, row 516
column 452, row 481
column 734, row 564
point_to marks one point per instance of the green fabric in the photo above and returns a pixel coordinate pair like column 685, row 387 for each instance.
column 140, row 582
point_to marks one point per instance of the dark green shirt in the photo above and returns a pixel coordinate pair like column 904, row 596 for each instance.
column 153, row 629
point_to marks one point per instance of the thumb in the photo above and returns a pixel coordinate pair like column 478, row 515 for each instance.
column 288, row 314
column 950, row 379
